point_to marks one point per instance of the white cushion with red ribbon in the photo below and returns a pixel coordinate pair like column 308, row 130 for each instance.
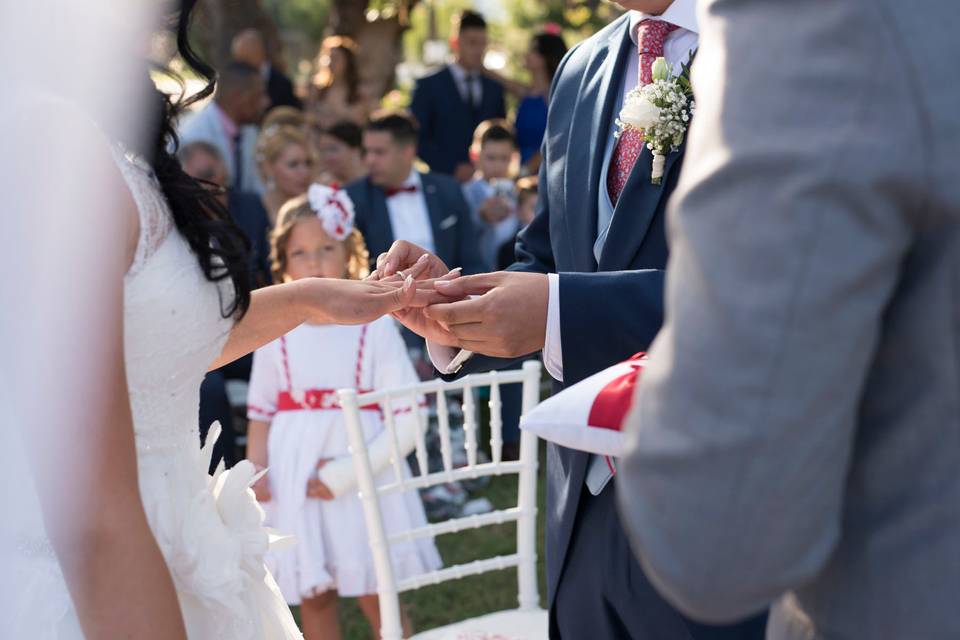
column 588, row 416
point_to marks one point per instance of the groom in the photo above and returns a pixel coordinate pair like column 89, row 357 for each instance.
column 600, row 226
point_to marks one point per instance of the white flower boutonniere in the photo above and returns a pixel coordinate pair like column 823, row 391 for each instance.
column 661, row 112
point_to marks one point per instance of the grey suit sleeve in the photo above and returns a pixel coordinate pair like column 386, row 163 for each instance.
column 787, row 232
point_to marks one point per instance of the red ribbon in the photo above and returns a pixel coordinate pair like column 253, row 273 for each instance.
column 612, row 404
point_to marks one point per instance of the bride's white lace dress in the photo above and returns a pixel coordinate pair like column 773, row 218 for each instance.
column 209, row 529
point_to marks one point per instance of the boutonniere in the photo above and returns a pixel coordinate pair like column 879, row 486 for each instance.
column 661, row 112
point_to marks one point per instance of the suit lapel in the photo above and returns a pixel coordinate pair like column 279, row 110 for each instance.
column 635, row 210
column 439, row 219
column 456, row 91
column 380, row 229
column 596, row 101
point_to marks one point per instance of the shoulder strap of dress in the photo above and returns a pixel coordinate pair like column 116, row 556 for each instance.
column 286, row 362
column 360, row 348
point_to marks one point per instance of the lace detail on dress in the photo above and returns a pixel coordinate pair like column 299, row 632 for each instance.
column 156, row 221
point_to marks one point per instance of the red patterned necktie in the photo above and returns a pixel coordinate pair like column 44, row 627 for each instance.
column 651, row 34
column 393, row 191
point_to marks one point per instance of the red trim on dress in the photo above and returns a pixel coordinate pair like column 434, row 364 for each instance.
column 315, row 400
column 324, row 399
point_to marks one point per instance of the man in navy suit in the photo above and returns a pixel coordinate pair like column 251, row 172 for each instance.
column 397, row 202
column 450, row 103
column 204, row 161
column 249, row 47
column 587, row 289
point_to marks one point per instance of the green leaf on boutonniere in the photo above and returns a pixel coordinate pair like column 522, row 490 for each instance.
column 684, row 78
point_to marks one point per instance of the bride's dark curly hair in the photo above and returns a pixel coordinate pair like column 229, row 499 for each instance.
column 222, row 249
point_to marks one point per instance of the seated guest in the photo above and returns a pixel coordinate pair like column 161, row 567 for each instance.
column 249, row 47
column 491, row 195
column 284, row 117
column 526, row 209
column 286, row 165
column 397, row 202
column 203, row 161
column 229, row 121
column 450, row 103
column 336, row 93
column 340, row 151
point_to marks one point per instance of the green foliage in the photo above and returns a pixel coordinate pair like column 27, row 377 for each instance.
column 307, row 16
column 685, row 74
column 419, row 31
column 576, row 18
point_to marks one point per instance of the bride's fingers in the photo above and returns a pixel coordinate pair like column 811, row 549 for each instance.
column 395, row 279
column 411, row 295
column 425, row 295
column 453, row 275
column 397, row 298
column 427, row 298
column 395, row 283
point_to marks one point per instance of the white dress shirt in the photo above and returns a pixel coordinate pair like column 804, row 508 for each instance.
column 409, row 216
column 468, row 84
column 676, row 49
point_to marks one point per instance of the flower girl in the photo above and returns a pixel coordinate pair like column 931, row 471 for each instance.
column 297, row 429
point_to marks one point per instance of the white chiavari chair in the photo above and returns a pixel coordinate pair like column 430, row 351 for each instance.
column 528, row 621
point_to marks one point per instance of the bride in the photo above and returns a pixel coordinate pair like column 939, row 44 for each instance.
column 132, row 538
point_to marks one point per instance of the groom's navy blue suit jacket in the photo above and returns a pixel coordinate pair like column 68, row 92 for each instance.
column 611, row 310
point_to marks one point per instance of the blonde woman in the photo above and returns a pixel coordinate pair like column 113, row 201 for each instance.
column 286, row 162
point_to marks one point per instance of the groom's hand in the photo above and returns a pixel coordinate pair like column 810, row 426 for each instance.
column 413, row 318
column 403, row 256
column 509, row 319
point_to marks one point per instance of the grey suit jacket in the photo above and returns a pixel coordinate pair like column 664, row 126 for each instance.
column 796, row 437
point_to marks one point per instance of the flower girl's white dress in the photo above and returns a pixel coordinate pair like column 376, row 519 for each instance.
column 208, row 529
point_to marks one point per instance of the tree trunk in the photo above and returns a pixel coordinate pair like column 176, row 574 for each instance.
column 379, row 40
column 219, row 20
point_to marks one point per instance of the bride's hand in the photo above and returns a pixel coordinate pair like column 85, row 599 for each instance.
column 414, row 318
column 331, row 301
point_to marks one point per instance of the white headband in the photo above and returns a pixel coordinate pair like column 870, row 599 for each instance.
column 334, row 208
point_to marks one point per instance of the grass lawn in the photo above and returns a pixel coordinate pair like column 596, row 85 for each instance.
column 436, row 606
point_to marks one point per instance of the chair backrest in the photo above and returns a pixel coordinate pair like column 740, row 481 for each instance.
column 524, row 513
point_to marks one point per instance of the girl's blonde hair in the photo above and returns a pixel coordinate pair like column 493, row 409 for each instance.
column 274, row 139
column 297, row 209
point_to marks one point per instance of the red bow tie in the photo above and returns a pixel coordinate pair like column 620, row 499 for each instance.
column 394, row 191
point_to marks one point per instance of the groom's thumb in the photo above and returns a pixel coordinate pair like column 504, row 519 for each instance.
column 465, row 286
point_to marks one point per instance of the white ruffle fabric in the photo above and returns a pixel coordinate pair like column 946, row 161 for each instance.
column 216, row 550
